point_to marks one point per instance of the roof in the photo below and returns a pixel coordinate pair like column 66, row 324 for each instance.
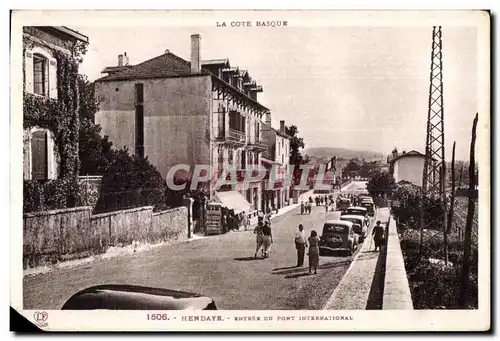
column 75, row 34
column 165, row 65
column 412, row 153
column 224, row 61
column 357, row 208
column 338, row 222
column 168, row 65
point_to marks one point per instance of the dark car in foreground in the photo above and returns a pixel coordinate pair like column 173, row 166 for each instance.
column 131, row 297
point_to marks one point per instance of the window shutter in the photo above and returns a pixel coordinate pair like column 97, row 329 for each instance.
column 28, row 72
column 52, row 78
column 51, row 162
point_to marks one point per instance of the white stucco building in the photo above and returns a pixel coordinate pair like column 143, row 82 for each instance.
column 408, row 167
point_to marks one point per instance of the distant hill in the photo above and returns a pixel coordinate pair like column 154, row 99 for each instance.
column 343, row 153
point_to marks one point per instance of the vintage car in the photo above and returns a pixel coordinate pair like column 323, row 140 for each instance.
column 359, row 226
column 357, row 210
column 131, row 297
column 338, row 235
column 343, row 204
column 370, row 207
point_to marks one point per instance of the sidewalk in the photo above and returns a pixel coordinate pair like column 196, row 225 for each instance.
column 360, row 281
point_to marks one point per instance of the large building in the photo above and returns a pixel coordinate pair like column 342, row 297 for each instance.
column 43, row 45
column 277, row 157
column 178, row 112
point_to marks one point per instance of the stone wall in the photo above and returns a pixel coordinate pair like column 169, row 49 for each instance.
column 397, row 293
column 51, row 236
column 60, row 235
column 176, row 219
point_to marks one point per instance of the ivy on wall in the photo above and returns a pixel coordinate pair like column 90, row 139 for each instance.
column 60, row 117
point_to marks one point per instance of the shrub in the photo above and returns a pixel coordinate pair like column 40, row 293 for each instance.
column 130, row 181
column 50, row 195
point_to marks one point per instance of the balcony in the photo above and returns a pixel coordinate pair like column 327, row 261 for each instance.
column 257, row 144
column 230, row 136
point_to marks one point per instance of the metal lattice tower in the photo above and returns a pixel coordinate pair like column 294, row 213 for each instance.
column 433, row 181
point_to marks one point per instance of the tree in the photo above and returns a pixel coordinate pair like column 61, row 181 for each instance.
column 380, row 183
column 93, row 149
column 295, row 144
column 296, row 159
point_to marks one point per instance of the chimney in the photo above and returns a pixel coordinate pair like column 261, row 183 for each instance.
column 167, row 51
column 282, row 126
column 195, row 53
column 268, row 119
column 120, row 60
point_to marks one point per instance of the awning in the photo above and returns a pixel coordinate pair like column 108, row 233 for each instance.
column 233, row 200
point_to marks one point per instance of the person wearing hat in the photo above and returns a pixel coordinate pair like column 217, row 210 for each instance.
column 378, row 235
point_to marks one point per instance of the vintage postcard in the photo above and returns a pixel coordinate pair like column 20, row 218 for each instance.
column 251, row 170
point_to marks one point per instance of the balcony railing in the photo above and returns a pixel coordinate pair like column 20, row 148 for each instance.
column 258, row 144
column 235, row 136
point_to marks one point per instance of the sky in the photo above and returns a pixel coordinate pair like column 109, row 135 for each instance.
column 357, row 87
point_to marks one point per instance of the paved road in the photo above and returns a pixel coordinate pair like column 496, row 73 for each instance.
column 221, row 267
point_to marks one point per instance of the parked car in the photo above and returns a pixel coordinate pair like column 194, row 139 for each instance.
column 370, row 207
column 343, row 204
column 359, row 226
column 338, row 235
column 131, row 297
column 357, row 210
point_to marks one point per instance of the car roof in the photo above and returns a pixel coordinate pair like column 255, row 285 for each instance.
column 357, row 208
column 338, row 222
column 355, row 216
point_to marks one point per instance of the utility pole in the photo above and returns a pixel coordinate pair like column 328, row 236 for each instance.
column 433, row 184
column 464, row 282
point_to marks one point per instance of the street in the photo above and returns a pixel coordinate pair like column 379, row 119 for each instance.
column 221, row 267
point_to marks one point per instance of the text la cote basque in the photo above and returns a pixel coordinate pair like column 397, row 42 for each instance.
column 267, row 23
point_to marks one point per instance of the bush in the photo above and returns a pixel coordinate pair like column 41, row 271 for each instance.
column 50, row 195
column 130, row 181
column 434, row 285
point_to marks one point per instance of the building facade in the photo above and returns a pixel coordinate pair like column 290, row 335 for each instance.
column 276, row 155
column 41, row 45
column 408, row 166
column 178, row 112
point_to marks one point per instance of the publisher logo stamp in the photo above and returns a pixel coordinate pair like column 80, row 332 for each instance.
column 41, row 318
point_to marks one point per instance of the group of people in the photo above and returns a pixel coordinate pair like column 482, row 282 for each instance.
column 301, row 244
column 327, row 200
column 233, row 221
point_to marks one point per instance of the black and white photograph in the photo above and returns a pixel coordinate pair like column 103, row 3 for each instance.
column 251, row 170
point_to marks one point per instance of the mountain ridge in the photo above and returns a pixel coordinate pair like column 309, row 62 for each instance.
column 344, row 153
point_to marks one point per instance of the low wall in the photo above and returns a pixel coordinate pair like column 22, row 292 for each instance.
column 170, row 225
column 60, row 235
column 397, row 293
column 50, row 236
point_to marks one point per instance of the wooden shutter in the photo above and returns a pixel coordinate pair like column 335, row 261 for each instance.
column 52, row 67
column 39, row 155
column 28, row 72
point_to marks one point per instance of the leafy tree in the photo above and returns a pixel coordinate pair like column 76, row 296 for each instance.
column 296, row 159
column 130, row 181
column 93, row 149
column 380, row 183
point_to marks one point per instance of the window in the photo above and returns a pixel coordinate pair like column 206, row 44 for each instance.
column 139, row 119
column 39, row 72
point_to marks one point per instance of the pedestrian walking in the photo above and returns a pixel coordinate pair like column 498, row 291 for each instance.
column 259, row 237
column 378, row 235
column 300, row 245
column 245, row 220
column 267, row 238
column 301, row 207
column 313, row 252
